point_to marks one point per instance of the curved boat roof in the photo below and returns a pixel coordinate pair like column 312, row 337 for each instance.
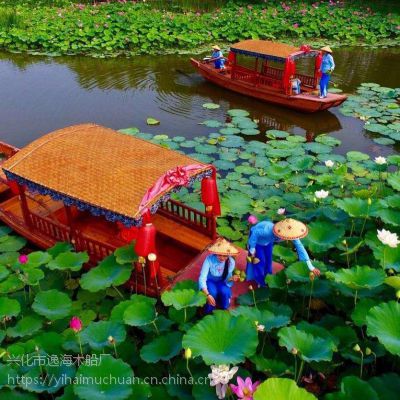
column 100, row 170
column 267, row 49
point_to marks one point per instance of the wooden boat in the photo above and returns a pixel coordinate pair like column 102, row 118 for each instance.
column 269, row 80
column 99, row 189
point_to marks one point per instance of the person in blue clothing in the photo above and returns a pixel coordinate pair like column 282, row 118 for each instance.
column 218, row 58
column 216, row 278
column 263, row 235
column 326, row 69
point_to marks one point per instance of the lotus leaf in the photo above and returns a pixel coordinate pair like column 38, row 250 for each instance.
column 262, row 180
column 229, row 131
column 222, row 339
column 352, row 388
column 278, row 172
column 205, row 149
column 238, row 113
column 384, row 141
column 357, row 207
column 52, row 304
column 274, row 133
column 328, row 140
column 130, row 131
column 387, row 386
column 188, row 143
column 139, row 313
column 183, row 298
column 393, row 281
column 11, row 243
column 202, row 157
column 357, row 156
column 68, row 261
column 152, row 121
column 317, row 148
column 281, row 389
column 4, row 230
column 107, row 273
column 4, row 272
column 93, row 381
column 125, row 254
column 27, row 326
column 9, row 308
column 235, row 203
column 211, row 106
column 309, row 347
column 11, row 284
column 323, row 235
column 274, row 367
column 298, row 272
column 60, row 247
column 162, row 348
column 383, row 321
column 249, row 131
column 229, row 233
column 97, row 333
column 393, row 180
column 361, row 309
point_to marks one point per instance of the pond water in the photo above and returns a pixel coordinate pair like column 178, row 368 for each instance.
column 40, row 94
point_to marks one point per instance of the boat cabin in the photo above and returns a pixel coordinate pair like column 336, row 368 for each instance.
column 99, row 190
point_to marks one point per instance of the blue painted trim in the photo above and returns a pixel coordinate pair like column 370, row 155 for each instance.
column 95, row 210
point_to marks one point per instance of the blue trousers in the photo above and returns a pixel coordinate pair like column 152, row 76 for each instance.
column 323, row 84
column 258, row 272
column 221, row 292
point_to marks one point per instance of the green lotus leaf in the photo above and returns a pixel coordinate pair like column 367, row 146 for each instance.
column 140, row 313
column 358, row 277
column 238, row 113
column 125, row 254
column 180, row 299
column 389, row 216
column 58, row 248
column 224, row 165
column 130, row 131
column 250, row 132
column 9, row 308
column 328, row 140
column 353, row 388
column 145, row 136
column 296, row 139
column 107, row 273
column 281, row 389
column 27, row 326
column 323, row 236
column 52, row 304
column 4, row 272
column 393, row 281
column 189, row 143
column 210, row 123
column 229, row 233
column 356, row 156
column 11, row 284
column 393, row 180
column 245, row 169
column 278, row 172
column 4, row 230
column 317, row 148
column 152, row 121
column 68, row 261
column 394, row 159
column 387, row 386
column 268, row 366
column 205, row 149
column 277, row 153
column 361, row 309
column 229, row 131
column 283, row 253
column 222, row 339
column 309, row 347
column 36, row 259
column 298, row 272
column 261, row 180
column 11, row 243
column 319, row 331
column 211, row 106
column 201, row 157
column 235, row 203
column 301, row 164
column 110, row 380
column 383, row 321
column 186, row 284
column 97, row 333
column 161, row 138
column 357, row 207
column 384, row 141
column 274, row 133
column 162, row 348
column 8, row 375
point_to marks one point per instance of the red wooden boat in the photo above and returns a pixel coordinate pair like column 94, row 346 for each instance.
column 269, row 80
column 99, row 189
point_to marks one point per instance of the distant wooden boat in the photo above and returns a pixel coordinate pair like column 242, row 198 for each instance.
column 271, row 83
column 99, row 189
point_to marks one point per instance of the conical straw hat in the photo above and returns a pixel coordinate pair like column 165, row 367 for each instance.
column 215, row 47
column 223, row 248
column 327, row 48
column 290, row 229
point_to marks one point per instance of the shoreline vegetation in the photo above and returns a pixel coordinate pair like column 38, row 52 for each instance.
column 115, row 28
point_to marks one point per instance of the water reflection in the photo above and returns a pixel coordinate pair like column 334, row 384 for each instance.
column 40, row 94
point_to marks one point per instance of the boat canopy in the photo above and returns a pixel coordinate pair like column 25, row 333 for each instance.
column 108, row 173
column 273, row 51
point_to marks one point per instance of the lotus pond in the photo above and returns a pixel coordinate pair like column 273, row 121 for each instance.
column 336, row 337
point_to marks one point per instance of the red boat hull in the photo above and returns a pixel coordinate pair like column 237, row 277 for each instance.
column 305, row 102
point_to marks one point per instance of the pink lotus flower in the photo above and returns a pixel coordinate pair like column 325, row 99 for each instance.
column 295, row 25
column 252, row 219
column 244, row 389
column 75, row 324
column 23, row 259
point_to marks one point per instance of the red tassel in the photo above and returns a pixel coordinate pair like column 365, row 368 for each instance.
column 146, row 240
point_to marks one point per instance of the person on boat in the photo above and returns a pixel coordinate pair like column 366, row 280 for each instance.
column 216, row 278
column 217, row 58
column 326, row 69
column 263, row 235
column 295, row 84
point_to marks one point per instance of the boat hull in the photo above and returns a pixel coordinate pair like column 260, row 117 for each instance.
column 306, row 102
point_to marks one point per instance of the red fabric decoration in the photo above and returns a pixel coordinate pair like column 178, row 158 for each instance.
column 318, row 62
column 146, row 240
column 208, row 191
column 305, row 47
column 231, row 57
column 128, row 234
column 290, row 69
column 13, row 186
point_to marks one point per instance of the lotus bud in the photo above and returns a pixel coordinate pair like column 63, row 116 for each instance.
column 141, row 260
column 37, row 348
column 391, row 271
column 357, row 348
column 294, row 351
column 369, row 201
column 315, row 200
column 111, row 340
column 312, row 276
column 256, row 323
column 251, row 287
column 288, row 281
column 398, row 294
column 344, row 242
column 188, row 353
column 152, row 257
column 368, row 351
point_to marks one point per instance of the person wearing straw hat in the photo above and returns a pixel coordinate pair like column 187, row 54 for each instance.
column 263, row 235
column 218, row 58
column 215, row 278
column 326, row 69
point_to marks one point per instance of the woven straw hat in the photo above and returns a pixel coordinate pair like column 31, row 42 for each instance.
column 215, row 47
column 327, row 49
column 223, row 248
column 290, row 229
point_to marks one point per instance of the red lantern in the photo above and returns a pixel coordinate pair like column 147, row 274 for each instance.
column 208, row 191
column 146, row 240
column 231, row 57
column 318, row 62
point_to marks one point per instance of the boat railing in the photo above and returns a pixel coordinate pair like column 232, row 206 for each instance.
column 189, row 216
column 244, row 74
column 274, row 73
column 52, row 229
column 7, row 150
column 96, row 250
column 306, row 81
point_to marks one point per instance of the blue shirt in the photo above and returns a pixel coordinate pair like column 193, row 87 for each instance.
column 212, row 267
column 262, row 234
column 218, row 63
column 327, row 63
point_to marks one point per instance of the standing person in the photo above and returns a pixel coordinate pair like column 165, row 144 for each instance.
column 218, row 58
column 263, row 235
column 327, row 67
column 215, row 278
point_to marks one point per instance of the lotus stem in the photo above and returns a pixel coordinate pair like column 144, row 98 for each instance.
column 352, row 228
column 365, row 219
column 115, row 350
column 185, row 314
column 384, row 257
column 119, row 293
column 295, row 366
column 362, row 364
column 188, row 369
column 300, row 371
column 355, row 298
column 155, row 327
column 309, row 300
column 80, row 343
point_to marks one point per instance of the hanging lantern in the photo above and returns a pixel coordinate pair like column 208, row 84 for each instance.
column 146, row 240
column 208, row 193
column 154, row 265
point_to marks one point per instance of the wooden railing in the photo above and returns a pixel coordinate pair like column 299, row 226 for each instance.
column 274, row 73
column 189, row 216
column 307, row 81
column 7, row 150
column 244, row 74
column 51, row 228
column 96, row 250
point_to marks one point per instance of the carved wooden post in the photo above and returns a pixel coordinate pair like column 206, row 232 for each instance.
column 24, row 206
